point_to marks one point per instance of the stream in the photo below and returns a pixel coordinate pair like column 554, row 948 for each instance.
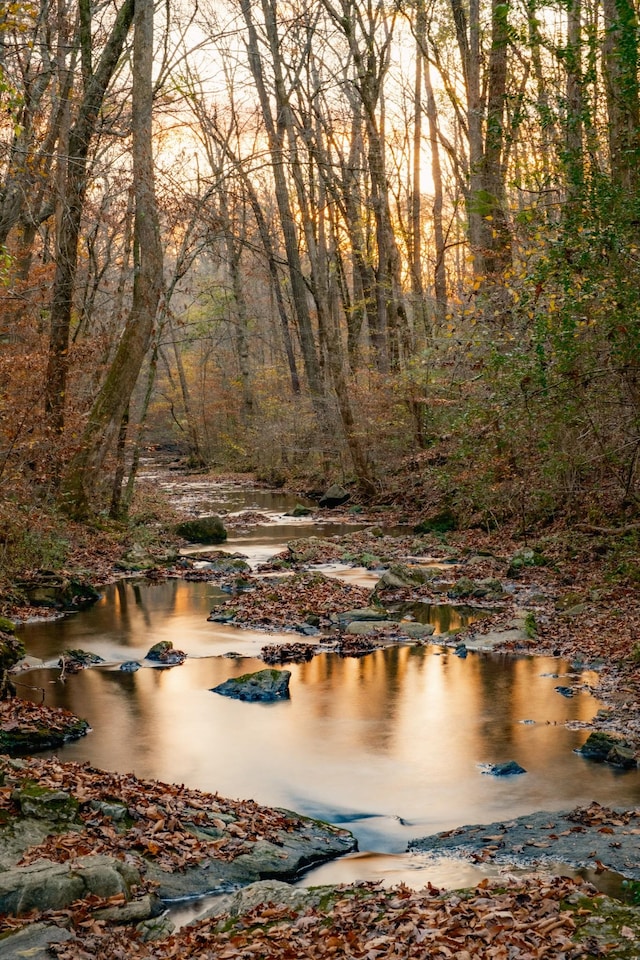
column 393, row 745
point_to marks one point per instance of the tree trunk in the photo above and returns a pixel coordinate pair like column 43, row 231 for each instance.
column 82, row 479
column 620, row 68
column 440, row 272
column 75, row 187
column 275, row 135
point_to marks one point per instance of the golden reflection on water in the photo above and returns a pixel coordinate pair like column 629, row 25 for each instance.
column 392, row 743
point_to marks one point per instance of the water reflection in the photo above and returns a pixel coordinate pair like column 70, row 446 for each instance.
column 390, row 744
column 446, row 617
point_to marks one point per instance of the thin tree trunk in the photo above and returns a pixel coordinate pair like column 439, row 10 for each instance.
column 574, row 124
column 440, row 270
column 620, row 68
column 82, row 479
column 299, row 291
column 80, row 138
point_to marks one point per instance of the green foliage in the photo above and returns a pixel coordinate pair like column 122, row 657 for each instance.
column 631, row 891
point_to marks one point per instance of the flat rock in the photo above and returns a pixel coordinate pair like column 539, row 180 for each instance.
column 52, row 886
column 267, row 891
column 315, row 843
column 411, row 629
column 32, row 942
column 579, row 838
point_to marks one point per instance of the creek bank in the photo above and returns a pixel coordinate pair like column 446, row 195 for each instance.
column 546, row 918
column 68, row 831
column 27, row 727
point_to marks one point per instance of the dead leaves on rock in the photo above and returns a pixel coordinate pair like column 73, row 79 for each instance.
column 527, row 921
column 28, row 717
column 287, row 603
column 287, row 653
column 174, row 826
column 596, row 815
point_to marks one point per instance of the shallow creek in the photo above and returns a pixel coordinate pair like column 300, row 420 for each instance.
column 393, row 745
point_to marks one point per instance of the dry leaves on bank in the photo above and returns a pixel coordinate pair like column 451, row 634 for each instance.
column 159, row 818
column 28, row 717
column 364, row 922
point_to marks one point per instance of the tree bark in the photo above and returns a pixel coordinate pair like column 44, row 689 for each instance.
column 82, row 480
column 620, row 69
column 75, row 188
column 276, row 138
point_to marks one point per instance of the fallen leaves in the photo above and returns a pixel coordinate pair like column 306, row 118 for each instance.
column 287, row 653
column 594, row 815
column 172, row 825
column 289, row 602
column 365, row 922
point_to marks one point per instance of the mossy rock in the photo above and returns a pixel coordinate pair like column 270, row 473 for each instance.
column 49, row 589
column 163, row 652
column 608, row 748
column 21, row 742
column 526, row 557
column 264, row 686
column 299, row 511
column 44, row 804
column 85, row 658
column 11, row 650
column 203, row 530
column 442, row 522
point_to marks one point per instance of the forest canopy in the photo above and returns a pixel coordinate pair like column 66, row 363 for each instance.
column 328, row 240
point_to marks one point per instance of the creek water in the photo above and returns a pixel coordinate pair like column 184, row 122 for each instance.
column 393, row 745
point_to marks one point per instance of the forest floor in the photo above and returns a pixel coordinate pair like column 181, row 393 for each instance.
column 578, row 588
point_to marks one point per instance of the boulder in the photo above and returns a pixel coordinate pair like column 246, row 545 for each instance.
column 334, row 496
column 219, row 561
column 32, row 941
column 49, row 589
column 464, row 587
column 267, row 891
column 525, row 557
column 415, row 630
column 44, row 885
column 11, row 652
column 136, row 560
column 407, row 628
column 264, row 686
column 600, row 746
column 155, row 928
column 623, row 757
column 314, row 550
column 43, row 804
column 203, row 530
column 82, row 658
column 360, row 613
column 299, row 511
column 361, row 628
column 29, row 738
column 130, row 666
column 401, row 576
column 508, row 769
column 164, row 653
